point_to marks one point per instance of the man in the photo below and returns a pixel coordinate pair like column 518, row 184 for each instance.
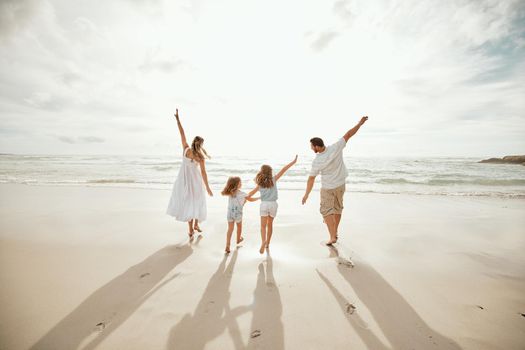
column 329, row 163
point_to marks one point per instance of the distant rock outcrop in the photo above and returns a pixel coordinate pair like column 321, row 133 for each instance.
column 506, row 160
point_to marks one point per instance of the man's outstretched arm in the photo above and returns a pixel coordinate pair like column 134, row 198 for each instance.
column 309, row 186
column 352, row 131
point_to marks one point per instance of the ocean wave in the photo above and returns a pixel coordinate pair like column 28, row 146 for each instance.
column 164, row 168
column 452, row 182
column 111, row 181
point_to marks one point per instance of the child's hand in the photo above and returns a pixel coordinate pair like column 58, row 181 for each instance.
column 177, row 114
column 305, row 198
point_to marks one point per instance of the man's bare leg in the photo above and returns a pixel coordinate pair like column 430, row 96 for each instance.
column 331, row 225
column 337, row 221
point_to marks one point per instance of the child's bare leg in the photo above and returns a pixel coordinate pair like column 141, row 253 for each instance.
column 196, row 226
column 229, row 236
column 264, row 222
column 239, row 232
column 270, row 231
column 331, row 225
column 190, row 225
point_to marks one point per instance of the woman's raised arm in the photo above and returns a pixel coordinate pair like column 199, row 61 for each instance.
column 181, row 130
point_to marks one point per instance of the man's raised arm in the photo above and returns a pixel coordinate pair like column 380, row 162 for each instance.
column 352, row 131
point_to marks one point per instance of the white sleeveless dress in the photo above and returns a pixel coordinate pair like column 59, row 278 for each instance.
column 188, row 198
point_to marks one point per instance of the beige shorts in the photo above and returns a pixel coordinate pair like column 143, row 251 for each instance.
column 332, row 200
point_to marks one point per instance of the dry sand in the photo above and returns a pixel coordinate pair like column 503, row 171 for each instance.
column 105, row 268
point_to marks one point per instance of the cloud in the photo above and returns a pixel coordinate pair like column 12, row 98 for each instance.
column 342, row 9
column 117, row 71
column 46, row 101
column 323, row 40
column 80, row 139
column 15, row 15
column 66, row 139
column 161, row 65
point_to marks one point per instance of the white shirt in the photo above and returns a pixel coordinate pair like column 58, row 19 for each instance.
column 331, row 166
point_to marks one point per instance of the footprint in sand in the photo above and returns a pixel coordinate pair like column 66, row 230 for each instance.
column 255, row 333
column 350, row 308
column 100, row 326
column 480, row 307
column 144, row 275
column 345, row 262
column 522, row 314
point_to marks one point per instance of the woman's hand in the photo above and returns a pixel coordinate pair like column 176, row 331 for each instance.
column 210, row 193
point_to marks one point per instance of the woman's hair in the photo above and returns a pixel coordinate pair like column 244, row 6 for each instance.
column 199, row 153
column 232, row 185
column 264, row 177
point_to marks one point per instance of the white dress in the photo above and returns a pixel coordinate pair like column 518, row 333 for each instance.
column 188, row 198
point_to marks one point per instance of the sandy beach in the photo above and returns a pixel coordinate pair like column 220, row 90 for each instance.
column 105, row 268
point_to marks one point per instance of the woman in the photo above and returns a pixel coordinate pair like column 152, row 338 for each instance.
column 188, row 200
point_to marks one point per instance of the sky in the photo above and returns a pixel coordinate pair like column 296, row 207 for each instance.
column 260, row 78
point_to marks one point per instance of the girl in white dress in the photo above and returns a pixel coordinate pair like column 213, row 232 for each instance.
column 188, row 199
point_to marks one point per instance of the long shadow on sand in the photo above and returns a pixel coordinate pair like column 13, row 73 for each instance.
column 267, row 311
column 207, row 322
column 109, row 306
column 397, row 319
column 213, row 316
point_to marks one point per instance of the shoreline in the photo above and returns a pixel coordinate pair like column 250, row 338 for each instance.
column 316, row 189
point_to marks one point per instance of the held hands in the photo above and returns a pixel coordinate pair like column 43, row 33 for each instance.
column 363, row 120
column 210, row 193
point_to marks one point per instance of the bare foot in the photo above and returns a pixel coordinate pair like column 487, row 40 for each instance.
column 268, row 245
column 262, row 249
column 330, row 242
column 190, row 234
column 197, row 228
column 227, row 250
column 240, row 240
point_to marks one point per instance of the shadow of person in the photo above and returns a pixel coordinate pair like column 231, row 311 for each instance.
column 397, row 319
column 267, row 330
column 109, row 306
column 207, row 322
column 371, row 341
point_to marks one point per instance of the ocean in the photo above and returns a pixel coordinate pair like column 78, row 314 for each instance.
column 417, row 176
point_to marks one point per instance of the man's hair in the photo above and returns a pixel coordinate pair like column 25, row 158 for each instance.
column 317, row 141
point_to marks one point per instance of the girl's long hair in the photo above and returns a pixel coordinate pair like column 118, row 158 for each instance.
column 264, row 177
column 198, row 151
column 232, row 185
